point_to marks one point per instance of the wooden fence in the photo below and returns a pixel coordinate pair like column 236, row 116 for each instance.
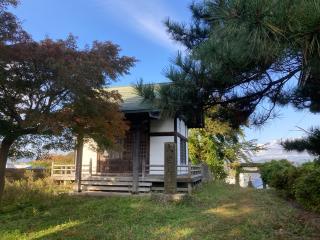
column 63, row 171
column 68, row 171
column 190, row 170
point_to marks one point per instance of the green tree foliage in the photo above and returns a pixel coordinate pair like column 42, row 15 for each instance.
column 54, row 90
column 218, row 144
column 311, row 143
column 279, row 174
column 307, row 191
column 300, row 183
column 242, row 54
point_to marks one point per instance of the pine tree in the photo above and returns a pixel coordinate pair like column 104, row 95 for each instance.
column 247, row 54
column 310, row 143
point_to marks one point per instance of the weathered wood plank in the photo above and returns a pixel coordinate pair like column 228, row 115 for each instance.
column 112, row 183
column 111, row 188
column 64, row 178
column 160, row 189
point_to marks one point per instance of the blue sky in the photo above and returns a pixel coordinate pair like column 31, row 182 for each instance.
column 137, row 26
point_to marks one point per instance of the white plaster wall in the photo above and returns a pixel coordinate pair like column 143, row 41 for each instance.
column 187, row 152
column 181, row 127
column 157, row 152
column 162, row 125
column 178, row 151
column 183, row 169
column 89, row 152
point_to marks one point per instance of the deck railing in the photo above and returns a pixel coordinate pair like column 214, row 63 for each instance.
column 190, row 170
column 196, row 169
column 63, row 171
column 68, row 171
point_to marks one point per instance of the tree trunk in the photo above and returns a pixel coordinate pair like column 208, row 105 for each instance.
column 4, row 151
column 79, row 161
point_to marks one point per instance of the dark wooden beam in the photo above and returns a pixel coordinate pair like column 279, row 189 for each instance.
column 135, row 159
column 250, row 164
column 162, row 134
column 175, row 129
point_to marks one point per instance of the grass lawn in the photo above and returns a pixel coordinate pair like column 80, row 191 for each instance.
column 216, row 211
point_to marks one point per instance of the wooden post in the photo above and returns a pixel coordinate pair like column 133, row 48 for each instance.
column 79, row 163
column 143, row 168
column 90, row 167
column 52, row 164
column 190, row 178
column 189, row 170
column 170, row 167
column 135, row 159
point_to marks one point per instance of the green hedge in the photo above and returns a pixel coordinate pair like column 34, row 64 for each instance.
column 301, row 183
column 307, row 186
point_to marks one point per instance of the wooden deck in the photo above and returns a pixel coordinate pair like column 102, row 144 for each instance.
column 188, row 176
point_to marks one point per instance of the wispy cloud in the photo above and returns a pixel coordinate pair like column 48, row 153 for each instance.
column 274, row 150
column 145, row 17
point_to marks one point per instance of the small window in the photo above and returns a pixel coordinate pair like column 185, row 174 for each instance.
column 183, row 152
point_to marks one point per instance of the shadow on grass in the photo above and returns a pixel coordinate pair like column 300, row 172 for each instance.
column 217, row 211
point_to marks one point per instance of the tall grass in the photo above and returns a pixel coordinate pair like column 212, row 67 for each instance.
column 29, row 191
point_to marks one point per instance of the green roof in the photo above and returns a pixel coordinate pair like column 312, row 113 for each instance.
column 132, row 102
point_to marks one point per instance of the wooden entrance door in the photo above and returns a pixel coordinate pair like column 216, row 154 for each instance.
column 120, row 161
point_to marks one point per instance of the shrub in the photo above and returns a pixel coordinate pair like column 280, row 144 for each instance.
column 301, row 183
column 307, row 186
column 280, row 174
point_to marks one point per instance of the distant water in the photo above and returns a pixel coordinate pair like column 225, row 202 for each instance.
column 255, row 179
column 244, row 180
column 21, row 163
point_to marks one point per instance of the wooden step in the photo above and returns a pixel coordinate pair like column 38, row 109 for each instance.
column 101, row 194
column 101, row 178
column 111, row 194
column 114, row 188
column 122, row 178
column 114, row 183
column 161, row 189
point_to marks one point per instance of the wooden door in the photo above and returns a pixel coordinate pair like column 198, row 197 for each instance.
column 120, row 161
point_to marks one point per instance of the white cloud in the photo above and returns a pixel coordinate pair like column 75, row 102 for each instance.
column 145, row 17
column 275, row 151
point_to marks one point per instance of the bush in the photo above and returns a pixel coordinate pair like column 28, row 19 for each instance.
column 280, row 174
column 301, row 183
column 307, row 186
